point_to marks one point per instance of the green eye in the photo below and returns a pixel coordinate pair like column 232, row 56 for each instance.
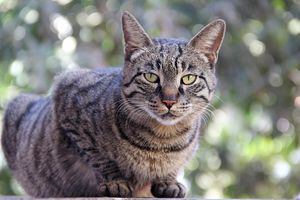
column 189, row 79
column 152, row 78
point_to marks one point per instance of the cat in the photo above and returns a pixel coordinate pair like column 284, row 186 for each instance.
column 116, row 132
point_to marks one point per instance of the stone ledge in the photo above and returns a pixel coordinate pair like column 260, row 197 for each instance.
column 107, row 198
column 90, row 198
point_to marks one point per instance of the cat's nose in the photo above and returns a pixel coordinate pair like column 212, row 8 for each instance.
column 169, row 103
column 169, row 95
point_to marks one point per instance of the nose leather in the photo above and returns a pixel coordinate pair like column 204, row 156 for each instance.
column 169, row 103
column 169, row 96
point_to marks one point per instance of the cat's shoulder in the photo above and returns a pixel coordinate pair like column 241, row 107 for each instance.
column 79, row 78
column 108, row 70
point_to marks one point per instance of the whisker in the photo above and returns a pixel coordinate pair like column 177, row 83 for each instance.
column 219, row 98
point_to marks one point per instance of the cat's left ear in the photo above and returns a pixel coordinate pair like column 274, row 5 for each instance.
column 134, row 35
column 209, row 39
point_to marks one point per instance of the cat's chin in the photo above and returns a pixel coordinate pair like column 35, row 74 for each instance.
column 168, row 122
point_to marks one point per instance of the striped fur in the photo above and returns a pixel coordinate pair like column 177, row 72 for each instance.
column 107, row 132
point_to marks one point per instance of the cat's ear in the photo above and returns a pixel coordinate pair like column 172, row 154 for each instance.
column 209, row 39
column 134, row 35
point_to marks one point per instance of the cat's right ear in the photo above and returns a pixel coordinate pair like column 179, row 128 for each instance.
column 134, row 35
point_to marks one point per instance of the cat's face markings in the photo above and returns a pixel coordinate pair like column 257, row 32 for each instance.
column 173, row 97
column 170, row 99
column 167, row 78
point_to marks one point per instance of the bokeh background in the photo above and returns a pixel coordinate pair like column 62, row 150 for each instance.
column 249, row 146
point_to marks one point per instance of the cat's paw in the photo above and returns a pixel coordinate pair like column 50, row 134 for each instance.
column 168, row 190
column 116, row 189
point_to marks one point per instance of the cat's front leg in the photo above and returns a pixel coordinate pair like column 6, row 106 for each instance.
column 111, row 181
column 168, row 189
column 117, row 188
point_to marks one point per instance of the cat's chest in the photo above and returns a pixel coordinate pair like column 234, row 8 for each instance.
column 149, row 158
column 147, row 166
column 163, row 164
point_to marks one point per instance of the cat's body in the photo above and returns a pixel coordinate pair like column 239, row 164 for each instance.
column 57, row 161
column 95, row 135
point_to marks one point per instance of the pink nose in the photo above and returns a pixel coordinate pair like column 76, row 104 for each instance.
column 169, row 103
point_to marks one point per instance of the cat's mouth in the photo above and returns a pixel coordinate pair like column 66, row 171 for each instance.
column 167, row 118
column 168, row 115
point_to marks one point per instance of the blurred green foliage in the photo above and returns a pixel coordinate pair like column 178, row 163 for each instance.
column 249, row 146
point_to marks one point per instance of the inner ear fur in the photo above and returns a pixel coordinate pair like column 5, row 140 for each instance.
column 134, row 35
column 209, row 39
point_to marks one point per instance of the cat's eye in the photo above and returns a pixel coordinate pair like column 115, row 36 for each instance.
column 152, row 78
column 189, row 79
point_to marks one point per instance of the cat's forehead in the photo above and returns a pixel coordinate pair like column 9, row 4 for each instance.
column 171, row 49
column 174, row 56
column 169, row 46
column 169, row 57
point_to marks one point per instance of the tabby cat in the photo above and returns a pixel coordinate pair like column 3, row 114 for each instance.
column 116, row 132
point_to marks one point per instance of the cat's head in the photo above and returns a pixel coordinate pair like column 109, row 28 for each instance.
column 170, row 79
